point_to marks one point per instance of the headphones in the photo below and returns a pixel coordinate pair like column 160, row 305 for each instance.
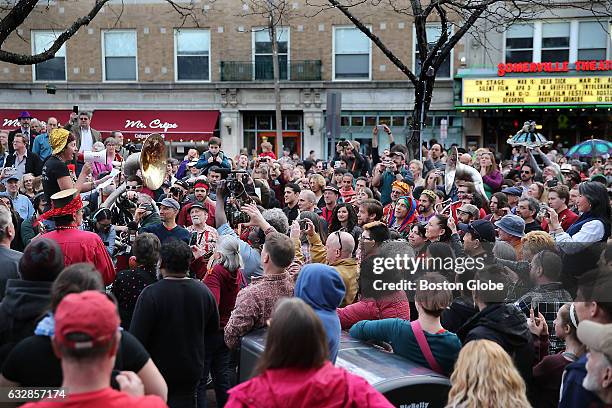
column 101, row 214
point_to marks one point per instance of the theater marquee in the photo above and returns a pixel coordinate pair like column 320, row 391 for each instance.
column 537, row 91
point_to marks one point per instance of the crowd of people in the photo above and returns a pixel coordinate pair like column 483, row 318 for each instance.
column 128, row 295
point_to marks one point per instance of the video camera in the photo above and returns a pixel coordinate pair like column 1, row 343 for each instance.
column 235, row 195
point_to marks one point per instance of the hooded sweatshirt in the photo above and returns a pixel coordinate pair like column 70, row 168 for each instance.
column 506, row 325
column 322, row 288
column 24, row 303
column 327, row 386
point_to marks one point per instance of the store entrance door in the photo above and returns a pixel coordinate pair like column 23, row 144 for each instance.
column 292, row 140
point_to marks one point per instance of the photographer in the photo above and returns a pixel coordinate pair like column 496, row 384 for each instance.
column 102, row 225
column 262, row 226
column 349, row 152
column 558, row 199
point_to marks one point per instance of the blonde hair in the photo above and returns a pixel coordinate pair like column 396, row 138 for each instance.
column 485, row 376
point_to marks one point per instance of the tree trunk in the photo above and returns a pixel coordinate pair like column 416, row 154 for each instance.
column 277, row 95
column 422, row 100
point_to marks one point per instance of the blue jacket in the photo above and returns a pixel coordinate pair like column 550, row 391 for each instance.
column 321, row 287
column 220, row 161
column 573, row 394
column 42, row 147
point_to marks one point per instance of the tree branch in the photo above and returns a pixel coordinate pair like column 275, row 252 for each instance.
column 15, row 17
column 21, row 59
column 396, row 61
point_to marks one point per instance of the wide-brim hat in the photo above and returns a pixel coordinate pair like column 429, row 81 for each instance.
column 62, row 198
column 512, row 224
column 24, row 115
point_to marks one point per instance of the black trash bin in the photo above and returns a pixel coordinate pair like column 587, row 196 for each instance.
column 402, row 382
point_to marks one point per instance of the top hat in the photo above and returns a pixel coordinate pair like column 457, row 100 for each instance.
column 62, row 198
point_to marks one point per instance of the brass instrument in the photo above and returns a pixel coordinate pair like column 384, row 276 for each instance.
column 151, row 161
column 454, row 168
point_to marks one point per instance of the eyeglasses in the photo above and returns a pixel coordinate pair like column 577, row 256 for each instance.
column 525, row 172
column 339, row 240
column 132, row 187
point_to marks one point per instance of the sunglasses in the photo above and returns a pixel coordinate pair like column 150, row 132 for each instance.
column 132, row 187
column 525, row 172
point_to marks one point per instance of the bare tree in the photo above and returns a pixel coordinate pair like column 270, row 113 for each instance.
column 456, row 18
column 15, row 12
column 276, row 13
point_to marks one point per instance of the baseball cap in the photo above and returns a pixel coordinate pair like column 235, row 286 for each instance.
column 90, row 313
column 482, row 230
column 192, row 163
column 470, row 209
column 198, row 205
column 514, row 191
column 171, row 203
column 566, row 168
column 596, row 336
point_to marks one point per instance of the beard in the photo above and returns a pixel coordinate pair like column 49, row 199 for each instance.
column 590, row 383
column 422, row 209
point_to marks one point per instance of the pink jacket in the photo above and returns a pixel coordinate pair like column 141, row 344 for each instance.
column 328, row 386
column 393, row 305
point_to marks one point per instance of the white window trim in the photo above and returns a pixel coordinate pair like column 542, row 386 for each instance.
column 104, row 56
column 32, row 41
column 573, row 45
column 254, row 30
column 334, row 56
column 452, row 53
column 176, row 30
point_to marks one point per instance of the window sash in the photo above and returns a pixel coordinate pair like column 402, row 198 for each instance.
column 120, row 68
column 120, row 44
column 43, row 40
column 192, row 42
column 349, row 40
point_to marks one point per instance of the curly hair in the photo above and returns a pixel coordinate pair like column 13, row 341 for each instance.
column 276, row 218
column 537, row 241
column 501, row 386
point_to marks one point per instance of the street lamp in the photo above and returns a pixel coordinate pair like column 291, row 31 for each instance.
column 227, row 122
column 429, row 74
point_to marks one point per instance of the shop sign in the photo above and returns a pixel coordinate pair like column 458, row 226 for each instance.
column 537, row 91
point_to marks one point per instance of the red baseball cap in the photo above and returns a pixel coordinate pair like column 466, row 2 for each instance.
column 90, row 313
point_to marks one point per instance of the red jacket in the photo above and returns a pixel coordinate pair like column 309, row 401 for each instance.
column 394, row 305
column 225, row 287
column 84, row 246
column 328, row 386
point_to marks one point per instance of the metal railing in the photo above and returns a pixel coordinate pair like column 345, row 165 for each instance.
column 263, row 71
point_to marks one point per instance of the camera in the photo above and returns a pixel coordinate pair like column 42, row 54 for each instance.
column 235, row 197
column 303, row 224
column 552, row 182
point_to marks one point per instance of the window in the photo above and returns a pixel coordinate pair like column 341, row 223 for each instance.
column 53, row 69
column 119, row 54
column 262, row 46
column 192, row 54
column 519, row 43
column 555, row 42
column 352, row 52
column 592, row 41
column 433, row 35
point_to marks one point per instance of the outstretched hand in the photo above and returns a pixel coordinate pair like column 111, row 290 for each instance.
column 256, row 219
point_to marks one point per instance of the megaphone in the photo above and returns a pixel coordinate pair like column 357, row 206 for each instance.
column 93, row 157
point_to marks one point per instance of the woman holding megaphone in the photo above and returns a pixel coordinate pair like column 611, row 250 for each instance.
column 55, row 173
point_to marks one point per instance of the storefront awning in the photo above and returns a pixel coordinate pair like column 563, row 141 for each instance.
column 177, row 126
column 9, row 121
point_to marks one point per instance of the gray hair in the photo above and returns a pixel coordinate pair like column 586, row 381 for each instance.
column 504, row 250
column 276, row 218
column 97, row 147
column 534, row 205
column 228, row 247
column 85, row 113
column 310, row 196
column 5, row 221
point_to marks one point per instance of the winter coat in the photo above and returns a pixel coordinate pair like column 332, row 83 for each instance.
column 393, row 305
column 219, row 161
column 322, row 288
column 506, row 325
column 24, row 303
column 328, row 386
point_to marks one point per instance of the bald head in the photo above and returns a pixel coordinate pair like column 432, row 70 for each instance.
column 465, row 158
column 339, row 245
column 307, row 200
